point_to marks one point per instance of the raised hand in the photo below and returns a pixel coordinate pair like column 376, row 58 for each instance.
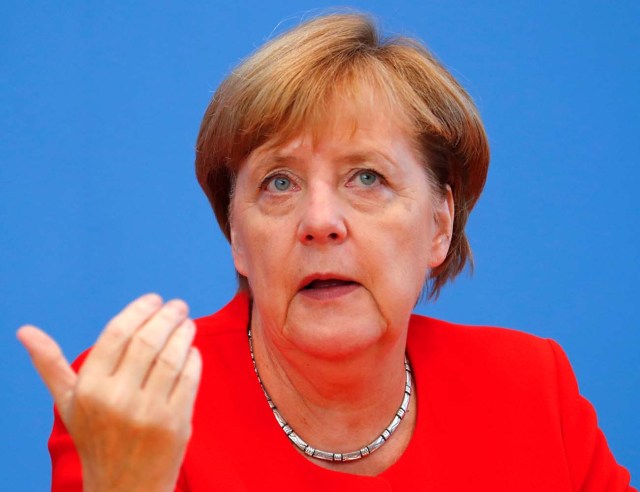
column 129, row 408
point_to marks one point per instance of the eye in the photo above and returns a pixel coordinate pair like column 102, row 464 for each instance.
column 277, row 183
column 366, row 178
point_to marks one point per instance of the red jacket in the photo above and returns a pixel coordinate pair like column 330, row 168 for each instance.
column 498, row 410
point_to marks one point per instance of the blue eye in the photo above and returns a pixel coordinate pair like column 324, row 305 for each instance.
column 279, row 183
column 368, row 178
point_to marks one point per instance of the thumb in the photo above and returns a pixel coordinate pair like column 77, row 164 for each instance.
column 49, row 361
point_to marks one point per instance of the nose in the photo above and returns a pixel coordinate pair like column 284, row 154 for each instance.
column 322, row 220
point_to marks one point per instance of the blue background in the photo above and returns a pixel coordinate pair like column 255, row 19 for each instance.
column 100, row 106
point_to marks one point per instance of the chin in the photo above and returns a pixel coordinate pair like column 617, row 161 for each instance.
column 334, row 334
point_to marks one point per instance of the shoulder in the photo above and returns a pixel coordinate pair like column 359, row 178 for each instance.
column 222, row 341
column 511, row 397
column 490, row 358
column 480, row 343
column 232, row 318
column 494, row 383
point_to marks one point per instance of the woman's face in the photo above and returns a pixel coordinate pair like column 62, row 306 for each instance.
column 336, row 232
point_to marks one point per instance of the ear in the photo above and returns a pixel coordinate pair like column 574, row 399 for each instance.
column 443, row 215
column 238, row 251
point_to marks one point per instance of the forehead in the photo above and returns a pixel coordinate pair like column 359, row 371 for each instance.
column 345, row 116
column 350, row 140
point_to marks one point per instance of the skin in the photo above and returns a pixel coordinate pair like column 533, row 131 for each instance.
column 351, row 201
column 137, row 386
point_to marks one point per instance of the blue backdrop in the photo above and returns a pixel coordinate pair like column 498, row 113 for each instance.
column 100, row 106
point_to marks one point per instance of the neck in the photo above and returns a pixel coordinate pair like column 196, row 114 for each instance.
column 336, row 405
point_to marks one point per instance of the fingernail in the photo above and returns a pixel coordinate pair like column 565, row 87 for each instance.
column 188, row 325
column 152, row 300
column 178, row 306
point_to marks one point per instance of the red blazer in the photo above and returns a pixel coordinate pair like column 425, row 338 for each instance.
column 498, row 410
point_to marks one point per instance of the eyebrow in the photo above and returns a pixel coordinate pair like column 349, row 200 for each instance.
column 367, row 156
column 275, row 157
column 284, row 158
column 268, row 161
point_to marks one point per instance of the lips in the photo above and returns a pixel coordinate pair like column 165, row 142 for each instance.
column 327, row 288
column 327, row 284
column 325, row 281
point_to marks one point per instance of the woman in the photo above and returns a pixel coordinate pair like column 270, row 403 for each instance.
column 342, row 169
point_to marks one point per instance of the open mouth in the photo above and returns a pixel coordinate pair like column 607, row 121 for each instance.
column 327, row 284
column 328, row 288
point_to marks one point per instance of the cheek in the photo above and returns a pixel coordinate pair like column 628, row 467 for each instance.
column 410, row 234
column 263, row 248
column 409, row 263
column 397, row 251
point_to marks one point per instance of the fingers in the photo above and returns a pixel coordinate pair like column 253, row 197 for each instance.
column 150, row 340
column 148, row 344
column 186, row 388
column 112, row 343
column 171, row 360
column 50, row 363
column 137, row 386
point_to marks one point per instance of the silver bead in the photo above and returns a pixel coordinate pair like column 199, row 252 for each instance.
column 295, row 439
column 353, row 455
column 376, row 444
column 326, row 455
column 279, row 418
column 323, row 455
column 394, row 424
column 405, row 402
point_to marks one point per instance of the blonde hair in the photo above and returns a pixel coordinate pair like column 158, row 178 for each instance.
column 286, row 84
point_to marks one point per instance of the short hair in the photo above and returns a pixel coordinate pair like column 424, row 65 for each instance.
column 279, row 89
